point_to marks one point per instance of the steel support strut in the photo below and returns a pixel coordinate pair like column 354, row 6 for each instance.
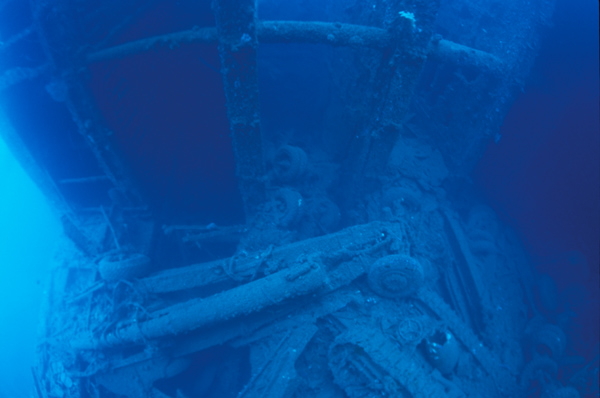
column 237, row 43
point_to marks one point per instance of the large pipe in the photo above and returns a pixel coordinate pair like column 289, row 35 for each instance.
column 332, row 33
column 194, row 314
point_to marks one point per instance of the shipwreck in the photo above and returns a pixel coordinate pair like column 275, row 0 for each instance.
column 274, row 201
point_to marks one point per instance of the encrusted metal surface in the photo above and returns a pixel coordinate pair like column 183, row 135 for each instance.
column 359, row 270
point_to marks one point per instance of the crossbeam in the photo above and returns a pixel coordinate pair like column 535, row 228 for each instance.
column 331, row 33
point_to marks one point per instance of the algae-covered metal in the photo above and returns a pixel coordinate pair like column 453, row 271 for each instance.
column 361, row 265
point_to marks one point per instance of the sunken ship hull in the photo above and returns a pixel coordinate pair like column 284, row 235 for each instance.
column 327, row 243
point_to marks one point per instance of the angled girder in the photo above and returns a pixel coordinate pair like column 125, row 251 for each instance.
column 66, row 62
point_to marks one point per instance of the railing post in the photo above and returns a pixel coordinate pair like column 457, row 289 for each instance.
column 237, row 42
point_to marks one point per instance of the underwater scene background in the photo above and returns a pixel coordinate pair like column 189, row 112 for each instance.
column 539, row 172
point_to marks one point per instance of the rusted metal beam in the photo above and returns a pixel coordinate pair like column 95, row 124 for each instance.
column 252, row 297
column 170, row 41
column 343, row 243
column 331, row 33
column 395, row 73
column 267, row 32
column 237, row 44
column 65, row 60
column 316, row 266
column 458, row 54
column 10, row 77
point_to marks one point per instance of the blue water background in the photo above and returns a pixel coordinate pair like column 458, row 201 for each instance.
column 29, row 233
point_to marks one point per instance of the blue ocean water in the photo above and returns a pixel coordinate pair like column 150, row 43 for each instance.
column 29, row 232
column 542, row 176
